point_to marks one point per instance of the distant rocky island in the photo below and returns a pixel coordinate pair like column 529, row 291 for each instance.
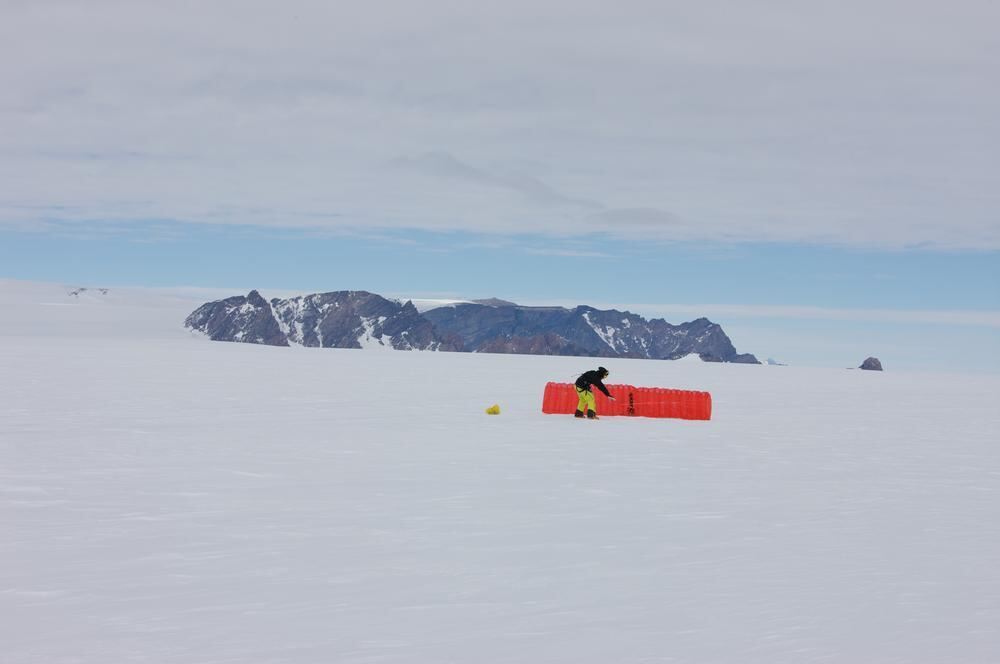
column 871, row 364
column 359, row 319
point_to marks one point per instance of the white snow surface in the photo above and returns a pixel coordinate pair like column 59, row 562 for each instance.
column 690, row 357
column 368, row 340
column 426, row 304
column 164, row 498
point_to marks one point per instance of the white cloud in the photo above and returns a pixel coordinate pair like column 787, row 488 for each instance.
column 856, row 123
column 568, row 253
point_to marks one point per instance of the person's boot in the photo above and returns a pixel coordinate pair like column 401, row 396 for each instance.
column 591, row 415
column 578, row 414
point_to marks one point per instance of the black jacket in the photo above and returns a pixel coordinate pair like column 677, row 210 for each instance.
column 591, row 378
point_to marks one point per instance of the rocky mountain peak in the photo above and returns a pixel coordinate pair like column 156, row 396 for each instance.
column 360, row 319
column 255, row 299
column 243, row 319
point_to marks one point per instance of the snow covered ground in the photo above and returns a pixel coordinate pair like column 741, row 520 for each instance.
column 164, row 498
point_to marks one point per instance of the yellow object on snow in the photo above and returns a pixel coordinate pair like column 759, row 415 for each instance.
column 493, row 410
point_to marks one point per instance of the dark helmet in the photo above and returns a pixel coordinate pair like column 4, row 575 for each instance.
column 604, row 372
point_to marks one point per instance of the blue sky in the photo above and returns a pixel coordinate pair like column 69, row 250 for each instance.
column 825, row 187
column 805, row 305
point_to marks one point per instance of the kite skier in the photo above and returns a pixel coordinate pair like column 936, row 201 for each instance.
column 583, row 384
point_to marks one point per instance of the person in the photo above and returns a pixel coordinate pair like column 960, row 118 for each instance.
column 583, row 384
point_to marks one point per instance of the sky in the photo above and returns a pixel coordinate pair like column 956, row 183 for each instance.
column 823, row 179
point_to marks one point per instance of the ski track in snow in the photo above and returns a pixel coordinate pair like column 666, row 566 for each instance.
column 168, row 499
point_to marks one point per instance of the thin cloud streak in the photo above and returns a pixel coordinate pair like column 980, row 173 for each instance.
column 567, row 253
column 934, row 317
column 445, row 165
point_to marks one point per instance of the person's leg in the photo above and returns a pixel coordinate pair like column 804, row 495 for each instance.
column 581, row 406
column 591, row 404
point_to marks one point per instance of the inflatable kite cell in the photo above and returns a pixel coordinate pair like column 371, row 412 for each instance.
column 561, row 399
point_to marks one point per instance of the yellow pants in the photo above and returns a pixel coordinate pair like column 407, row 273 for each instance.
column 586, row 401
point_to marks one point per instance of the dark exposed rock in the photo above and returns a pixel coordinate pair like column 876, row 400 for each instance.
column 77, row 291
column 243, row 319
column 358, row 319
column 582, row 331
column 342, row 319
column 871, row 364
column 542, row 344
column 354, row 319
column 495, row 302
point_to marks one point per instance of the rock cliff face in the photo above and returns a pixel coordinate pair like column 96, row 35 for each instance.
column 342, row 319
column 871, row 364
column 582, row 331
column 359, row 319
column 245, row 319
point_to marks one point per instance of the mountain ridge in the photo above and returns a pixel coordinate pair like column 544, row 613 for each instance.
column 361, row 319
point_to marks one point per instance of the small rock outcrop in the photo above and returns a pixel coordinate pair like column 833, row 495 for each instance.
column 871, row 364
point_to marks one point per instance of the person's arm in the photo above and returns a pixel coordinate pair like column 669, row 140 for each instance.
column 600, row 386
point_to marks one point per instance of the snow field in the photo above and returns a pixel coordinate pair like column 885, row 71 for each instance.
column 179, row 500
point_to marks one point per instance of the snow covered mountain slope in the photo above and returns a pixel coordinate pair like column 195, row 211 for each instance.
column 166, row 499
column 250, row 316
column 339, row 319
column 582, row 331
column 45, row 310
column 355, row 319
column 359, row 319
